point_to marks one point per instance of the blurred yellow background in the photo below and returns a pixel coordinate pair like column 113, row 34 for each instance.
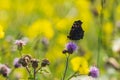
column 45, row 24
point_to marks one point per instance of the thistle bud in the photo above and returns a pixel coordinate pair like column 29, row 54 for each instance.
column 64, row 51
column 45, row 62
column 27, row 58
column 34, row 63
column 23, row 62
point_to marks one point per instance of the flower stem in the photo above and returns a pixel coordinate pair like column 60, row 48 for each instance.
column 34, row 73
column 72, row 75
column 38, row 69
column 28, row 70
column 100, row 32
column 20, row 53
column 67, row 59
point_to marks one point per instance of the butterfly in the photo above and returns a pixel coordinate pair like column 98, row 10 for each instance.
column 76, row 32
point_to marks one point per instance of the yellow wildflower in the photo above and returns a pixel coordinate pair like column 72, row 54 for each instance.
column 79, row 64
column 41, row 27
column 1, row 32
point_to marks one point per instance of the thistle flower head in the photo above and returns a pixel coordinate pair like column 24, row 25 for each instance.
column 16, row 63
column 20, row 44
column 4, row 70
column 71, row 47
column 94, row 72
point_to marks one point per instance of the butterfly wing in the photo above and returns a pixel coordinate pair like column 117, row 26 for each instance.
column 76, row 32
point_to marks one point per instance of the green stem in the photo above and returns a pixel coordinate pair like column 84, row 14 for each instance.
column 38, row 69
column 67, row 59
column 72, row 75
column 34, row 74
column 100, row 32
column 28, row 70
column 20, row 53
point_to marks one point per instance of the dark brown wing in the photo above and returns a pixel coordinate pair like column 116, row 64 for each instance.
column 76, row 32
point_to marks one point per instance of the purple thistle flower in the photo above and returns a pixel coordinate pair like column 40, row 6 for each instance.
column 16, row 63
column 20, row 44
column 4, row 70
column 71, row 47
column 94, row 72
